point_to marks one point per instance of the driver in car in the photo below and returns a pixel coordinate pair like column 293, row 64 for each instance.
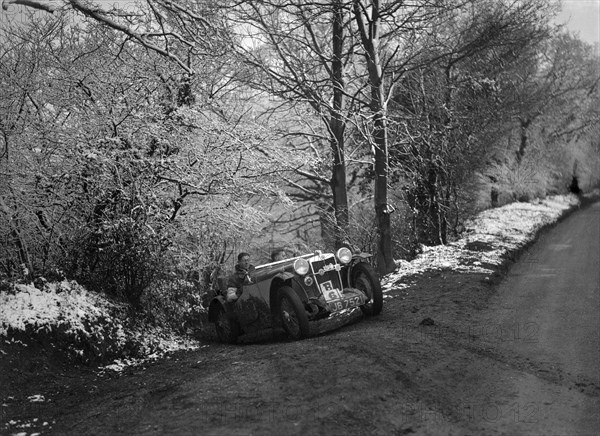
column 243, row 275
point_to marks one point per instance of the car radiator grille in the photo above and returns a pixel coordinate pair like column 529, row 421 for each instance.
column 326, row 274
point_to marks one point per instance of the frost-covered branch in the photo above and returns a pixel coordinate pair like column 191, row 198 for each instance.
column 48, row 6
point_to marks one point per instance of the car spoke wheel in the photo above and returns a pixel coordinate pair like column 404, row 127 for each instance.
column 293, row 315
column 227, row 329
column 365, row 279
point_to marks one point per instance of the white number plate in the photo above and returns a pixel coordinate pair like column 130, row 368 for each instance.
column 347, row 303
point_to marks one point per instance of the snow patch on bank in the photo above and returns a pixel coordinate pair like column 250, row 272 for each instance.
column 60, row 304
column 487, row 240
column 96, row 328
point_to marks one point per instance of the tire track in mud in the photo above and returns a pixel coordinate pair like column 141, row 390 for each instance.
column 462, row 387
column 461, row 339
column 444, row 390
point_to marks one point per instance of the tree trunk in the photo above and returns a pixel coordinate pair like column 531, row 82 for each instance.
column 338, row 186
column 385, row 260
column 338, row 127
column 370, row 43
column 329, row 228
column 524, row 140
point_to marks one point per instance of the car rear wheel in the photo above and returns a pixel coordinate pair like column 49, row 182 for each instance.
column 364, row 278
column 227, row 329
column 293, row 315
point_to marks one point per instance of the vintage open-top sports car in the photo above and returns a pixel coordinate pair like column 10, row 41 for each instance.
column 293, row 292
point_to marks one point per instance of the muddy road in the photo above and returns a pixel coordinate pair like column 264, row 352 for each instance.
column 453, row 353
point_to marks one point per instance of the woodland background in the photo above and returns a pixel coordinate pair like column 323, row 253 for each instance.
column 141, row 144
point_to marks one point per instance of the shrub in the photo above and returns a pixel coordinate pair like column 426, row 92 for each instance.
column 122, row 259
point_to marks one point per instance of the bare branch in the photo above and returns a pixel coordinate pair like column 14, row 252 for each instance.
column 40, row 5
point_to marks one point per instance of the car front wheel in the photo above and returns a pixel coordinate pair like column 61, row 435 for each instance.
column 365, row 279
column 293, row 315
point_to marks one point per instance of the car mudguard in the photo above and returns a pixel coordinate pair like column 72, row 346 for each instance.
column 356, row 258
column 361, row 256
column 284, row 276
column 218, row 301
column 285, row 279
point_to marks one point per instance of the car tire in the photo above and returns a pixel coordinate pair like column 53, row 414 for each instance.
column 227, row 329
column 364, row 278
column 292, row 313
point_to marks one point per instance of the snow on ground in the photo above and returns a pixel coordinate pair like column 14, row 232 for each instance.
column 488, row 238
column 64, row 303
column 82, row 316
column 164, row 344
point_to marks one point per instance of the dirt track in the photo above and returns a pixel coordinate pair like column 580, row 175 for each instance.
column 518, row 357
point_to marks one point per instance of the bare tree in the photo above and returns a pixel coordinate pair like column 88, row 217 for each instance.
column 161, row 26
column 299, row 52
column 389, row 33
column 368, row 20
column 550, row 83
column 104, row 168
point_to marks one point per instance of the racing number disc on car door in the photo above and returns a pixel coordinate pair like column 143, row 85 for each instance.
column 292, row 312
column 366, row 280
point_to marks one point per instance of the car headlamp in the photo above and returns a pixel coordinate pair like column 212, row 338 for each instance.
column 301, row 266
column 344, row 255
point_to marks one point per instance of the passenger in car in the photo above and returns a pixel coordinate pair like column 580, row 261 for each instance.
column 278, row 255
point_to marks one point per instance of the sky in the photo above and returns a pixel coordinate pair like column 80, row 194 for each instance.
column 583, row 17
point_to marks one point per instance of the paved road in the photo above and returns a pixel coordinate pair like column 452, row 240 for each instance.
column 546, row 323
